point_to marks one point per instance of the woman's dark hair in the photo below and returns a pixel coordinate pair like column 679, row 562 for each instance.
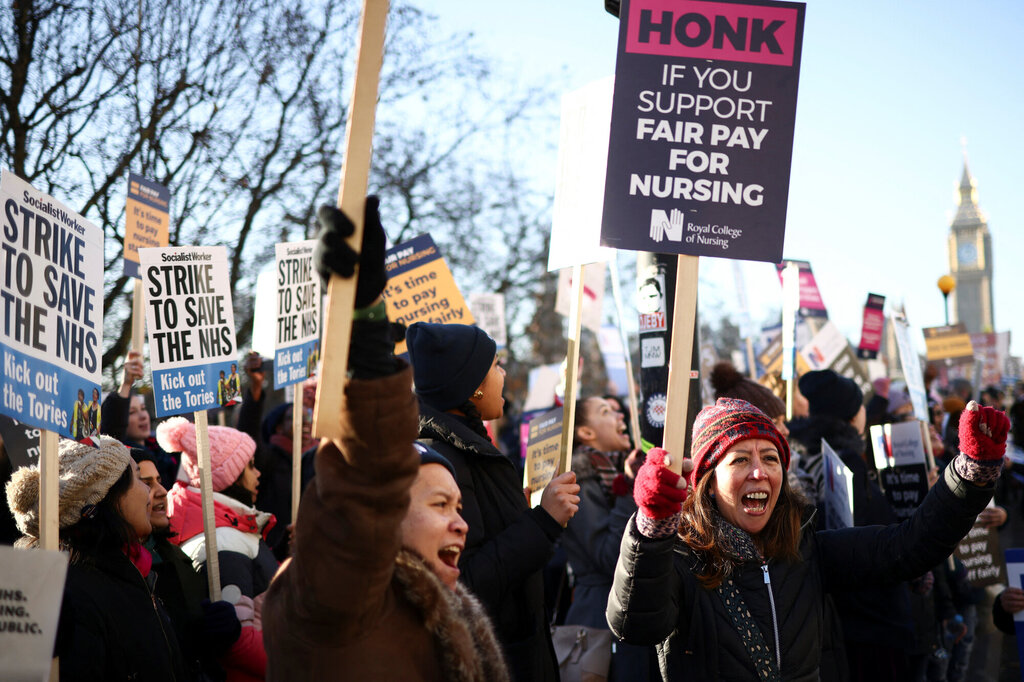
column 780, row 538
column 473, row 418
column 103, row 528
column 236, row 491
column 582, row 419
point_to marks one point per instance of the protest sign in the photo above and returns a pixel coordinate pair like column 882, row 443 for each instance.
column 542, row 450
column 838, row 493
column 582, row 157
column 911, row 364
column 1015, row 578
column 297, row 305
column 355, row 172
column 489, row 311
column 991, row 349
column 810, row 302
column 31, row 589
column 21, row 442
column 147, row 220
column 542, row 384
column 702, row 127
column 872, row 327
column 829, row 349
column 634, row 402
column 593, row 294
column 191, row 328
column 51, row 285
column 609, row 340
column 264, row 321
column 979, row 552
column 421, row 287
column 902, row 465
column 949, row 343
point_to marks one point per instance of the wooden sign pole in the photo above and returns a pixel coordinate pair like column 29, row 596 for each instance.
column 206, row 488
column 572, row 365
column 355, row 171
column 49, row 491
column 684, row 314
column 297, row 411
column 634, row 413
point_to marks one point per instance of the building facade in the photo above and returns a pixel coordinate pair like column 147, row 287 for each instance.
column 970, row 260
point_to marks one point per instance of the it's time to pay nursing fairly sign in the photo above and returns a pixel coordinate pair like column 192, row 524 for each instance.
column 702, row 127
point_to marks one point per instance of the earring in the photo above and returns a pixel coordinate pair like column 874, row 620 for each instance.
column 479, row 394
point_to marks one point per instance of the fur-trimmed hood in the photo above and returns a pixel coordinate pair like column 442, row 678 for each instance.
column 465, row 639
column 449, row 428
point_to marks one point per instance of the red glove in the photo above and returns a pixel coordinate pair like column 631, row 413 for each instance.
column 983, row 433
column 656, row 488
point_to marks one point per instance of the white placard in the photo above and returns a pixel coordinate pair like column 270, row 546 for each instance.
column 489, row 311
column 838, row 493
column 579, row 187
column 593, row 294
column 31, row 589
column 297, row 313
column 191, row 325
column 51, row 291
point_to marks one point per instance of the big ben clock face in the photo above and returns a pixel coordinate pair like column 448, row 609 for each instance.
column 967, row 254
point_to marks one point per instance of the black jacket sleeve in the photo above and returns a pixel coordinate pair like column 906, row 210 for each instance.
column 854, row 558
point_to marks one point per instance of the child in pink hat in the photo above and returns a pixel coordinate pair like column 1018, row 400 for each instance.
column 246, row 562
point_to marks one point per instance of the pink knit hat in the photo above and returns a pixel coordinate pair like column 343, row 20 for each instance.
column 230, row 450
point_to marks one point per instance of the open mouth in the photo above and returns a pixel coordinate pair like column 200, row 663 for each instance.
column 160, row 508
column 449, row 556
column 755, row 503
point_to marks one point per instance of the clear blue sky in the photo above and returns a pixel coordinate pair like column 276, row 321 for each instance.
column 887, row 91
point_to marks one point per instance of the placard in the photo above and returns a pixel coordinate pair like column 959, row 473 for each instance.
column 489, row 311
column 950, row 343
column 421, row 287
column 1015, row 578
column 872, row 327
column 838, row 494
column 593, row 294
column 702, row 127
column 810, row 301
column 297, row 306
column 21, row 442
column 51, row 288
column 979, row 551
column 191, row 324
column 902, row 465
column 147, row 220
column 911, row 367
column 31, row 589
column 542, row 449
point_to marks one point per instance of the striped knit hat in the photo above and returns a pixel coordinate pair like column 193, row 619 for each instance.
column 720, row 426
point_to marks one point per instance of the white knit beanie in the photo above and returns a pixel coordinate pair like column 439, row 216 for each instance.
column 86, row 475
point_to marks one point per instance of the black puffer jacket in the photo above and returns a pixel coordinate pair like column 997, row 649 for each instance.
column 656, row 597
column 507, row 546
column 112, row 627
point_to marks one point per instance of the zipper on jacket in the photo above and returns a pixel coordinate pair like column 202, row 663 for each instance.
column 159, row 619
column 775, row 618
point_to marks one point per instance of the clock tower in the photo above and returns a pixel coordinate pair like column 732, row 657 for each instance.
column 970, row 260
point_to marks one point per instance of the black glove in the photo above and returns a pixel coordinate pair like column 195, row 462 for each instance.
column 221, row 628
column 333, row 255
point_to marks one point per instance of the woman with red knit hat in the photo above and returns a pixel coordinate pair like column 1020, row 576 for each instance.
column 723, row 570
column 246, row 561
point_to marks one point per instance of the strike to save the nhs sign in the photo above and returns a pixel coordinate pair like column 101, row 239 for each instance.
column 702, row 127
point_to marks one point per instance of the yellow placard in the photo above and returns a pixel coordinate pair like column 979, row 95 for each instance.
column 147, row 219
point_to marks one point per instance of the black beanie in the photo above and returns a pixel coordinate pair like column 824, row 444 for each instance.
column 429, row 455
column 449, row 361
column 831, row 395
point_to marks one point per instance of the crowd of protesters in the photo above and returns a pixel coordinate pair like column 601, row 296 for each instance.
column 416, row 555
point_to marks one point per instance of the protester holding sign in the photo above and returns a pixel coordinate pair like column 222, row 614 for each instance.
column 245, row 560
column 605, row 469
column 459, row 384
column 205, row 629
column 738, row 594
column 126, row 417
column 111, row 625
column 372, row 590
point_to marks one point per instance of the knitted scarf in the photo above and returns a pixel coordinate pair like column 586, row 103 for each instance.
column 739, row 545
column 605, row 466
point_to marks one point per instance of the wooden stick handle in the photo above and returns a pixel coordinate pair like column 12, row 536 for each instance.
column 49, row 491
column 634, row 402
column 572, row 365
column 355, row 172
column 684, row 313
column 206, row 488
column 297, row 410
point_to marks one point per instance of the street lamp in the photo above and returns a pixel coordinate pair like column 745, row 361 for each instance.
column 946, row 285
